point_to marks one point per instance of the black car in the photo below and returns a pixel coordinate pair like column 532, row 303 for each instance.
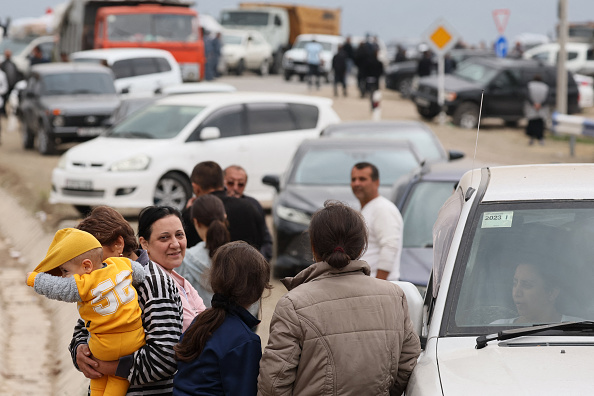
column 504, row 82
column 321, row 170
column 419, row 134
column 65, row 102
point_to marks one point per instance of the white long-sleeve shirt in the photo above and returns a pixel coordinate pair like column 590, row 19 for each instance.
column 384, row 223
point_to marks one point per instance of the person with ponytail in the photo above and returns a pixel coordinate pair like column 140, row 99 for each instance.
column 338, row 331
column 219, row 354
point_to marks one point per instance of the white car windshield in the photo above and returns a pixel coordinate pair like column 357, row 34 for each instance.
column 78, row 83
column 302, row 44
column 156, row 122
column 232, row 39
column 332, row 166
column 526, row 263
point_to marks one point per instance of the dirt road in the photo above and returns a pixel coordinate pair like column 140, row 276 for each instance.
column 34, row 332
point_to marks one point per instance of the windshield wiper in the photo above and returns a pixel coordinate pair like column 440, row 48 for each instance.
column 482, row 341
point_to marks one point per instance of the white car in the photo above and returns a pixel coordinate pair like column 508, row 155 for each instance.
column 295, row 59
column 245, row 50
column 586, row 90
column 580, row 56
column 509, row 307
column 136, row 70
column 147, row 159
column 22, row 49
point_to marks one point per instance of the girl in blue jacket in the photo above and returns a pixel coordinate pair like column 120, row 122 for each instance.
column 219, row 354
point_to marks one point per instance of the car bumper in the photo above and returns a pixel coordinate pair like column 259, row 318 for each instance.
column 75, row 132
column 116, row 189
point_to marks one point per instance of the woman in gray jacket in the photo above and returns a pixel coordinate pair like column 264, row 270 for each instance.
column 338, row 331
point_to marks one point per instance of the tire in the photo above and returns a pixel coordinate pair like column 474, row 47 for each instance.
column 28, row 137
column 288, row 75
column 426, row 113
column 172, row 189
column 301, row 77
column 466, row 115
column 83, row 209
column 405, row 87
column 240, row 67
column 264, row 68
column 277, row 62
column 46, row 143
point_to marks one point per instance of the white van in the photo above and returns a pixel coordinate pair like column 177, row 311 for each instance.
column 136, row 70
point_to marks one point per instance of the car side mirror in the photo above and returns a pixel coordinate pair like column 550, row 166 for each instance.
column 210, row 133
column 454, row 155
column 125, row 90
column 273, row 181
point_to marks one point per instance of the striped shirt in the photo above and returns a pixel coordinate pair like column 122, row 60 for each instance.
column 150, row 369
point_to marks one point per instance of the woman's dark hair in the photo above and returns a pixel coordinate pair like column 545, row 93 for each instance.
column 107, row 224
column 337, row 234
column 150, row 214
column 209, row 210
column 239, row 274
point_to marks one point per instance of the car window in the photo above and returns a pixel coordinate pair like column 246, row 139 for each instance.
column 305, row 115
column 269, row 117
column 143, row 66
column 475, row 72
column 590, row 55
column 163, row 65
column 570, row 55
column 47, row 49
column 232, row 39
column 420, row 211
column 156, row 122
column 123, row 68
column 332, row 166
column 504, row 80
column 229, row 120
column 77, row 83
column 524, row 264
column 542, row 56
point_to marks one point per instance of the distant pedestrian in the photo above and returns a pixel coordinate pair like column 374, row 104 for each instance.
column 400, row 54
column 536, row 109
column 449, row 64
column 425, row 65
column 313, row 51
column 13, row 75
column 3, row 90
column 362, row 54
column 209, row 56
column 374, row 69
column 217, row 44
column 339, row 67
column 37, row 57
column 350, row 54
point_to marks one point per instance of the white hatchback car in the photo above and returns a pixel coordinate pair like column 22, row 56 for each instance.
column 509, row 308
column 147, row 159
column 245, row 50
column 136, row 70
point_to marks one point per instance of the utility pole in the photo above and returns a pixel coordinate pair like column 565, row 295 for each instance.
column 561, row 69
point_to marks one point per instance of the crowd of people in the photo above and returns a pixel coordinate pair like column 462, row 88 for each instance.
column 175, row 311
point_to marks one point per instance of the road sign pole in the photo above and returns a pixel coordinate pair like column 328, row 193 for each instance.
column 441, row 88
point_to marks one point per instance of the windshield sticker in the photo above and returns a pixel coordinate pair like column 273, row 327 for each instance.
column 497, row 219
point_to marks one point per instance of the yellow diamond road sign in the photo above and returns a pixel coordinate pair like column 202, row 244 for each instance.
column 441, row 36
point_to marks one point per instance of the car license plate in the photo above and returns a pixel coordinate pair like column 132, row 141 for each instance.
column 422, row 102
column 302, row 69
column 79, row 184
column 90, row 131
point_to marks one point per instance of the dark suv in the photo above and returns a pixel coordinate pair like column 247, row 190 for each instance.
column 504, row 82
column 65, row 102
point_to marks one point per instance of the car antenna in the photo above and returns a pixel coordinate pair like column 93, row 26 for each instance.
column 471, row 190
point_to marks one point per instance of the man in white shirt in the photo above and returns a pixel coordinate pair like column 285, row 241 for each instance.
column 384, row 223
column 314, row 61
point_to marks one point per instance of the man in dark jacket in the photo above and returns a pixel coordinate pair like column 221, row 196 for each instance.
column 13, row 75
column 425, row 65
column 245, row 223
column 339, row 67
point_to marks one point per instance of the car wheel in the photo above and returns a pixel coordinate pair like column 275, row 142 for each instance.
column 288, row 75
column 466, row 115
column 264, row 68
column 240, row 67
column 28, row 137
column 405, row 87
column 83, row 209
column 301, row 77
column 46, row 143
column 174, row 190
column 426, row 113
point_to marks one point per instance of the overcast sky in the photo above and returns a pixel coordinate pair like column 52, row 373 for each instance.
column 391, row 19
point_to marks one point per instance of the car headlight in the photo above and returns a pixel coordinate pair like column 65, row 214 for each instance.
column 293, row 215
column 450, row 96
column 63, row 161
column 58, row 121
column 139, row 162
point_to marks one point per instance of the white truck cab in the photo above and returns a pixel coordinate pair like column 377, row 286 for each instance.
column 509, row 307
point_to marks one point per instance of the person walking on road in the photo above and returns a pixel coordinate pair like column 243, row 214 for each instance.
column 3, row 90
column 13, row 75
column 338, row 331
column 383, row 220
column 339, row 67
column 313, row 51
column 536, row 109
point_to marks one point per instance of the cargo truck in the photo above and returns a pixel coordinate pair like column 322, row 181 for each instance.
column 164, row 24
column 280, row 24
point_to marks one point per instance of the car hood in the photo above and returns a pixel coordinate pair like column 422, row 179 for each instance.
column 106, row 150
column 416, row 264
column 522, row 366
column 82, row 104
column 451, row 83
column 310, row 198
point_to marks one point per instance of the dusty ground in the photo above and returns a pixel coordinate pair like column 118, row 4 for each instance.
column 34, row 332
